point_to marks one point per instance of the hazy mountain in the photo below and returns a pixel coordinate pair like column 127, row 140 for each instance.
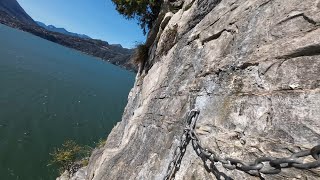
column 13, row 8
column 61, row 30
column 12, row 14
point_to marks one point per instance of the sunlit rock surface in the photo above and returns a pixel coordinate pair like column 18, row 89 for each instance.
column 252, row 67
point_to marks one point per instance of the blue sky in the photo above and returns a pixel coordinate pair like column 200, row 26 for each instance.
column 97, row 19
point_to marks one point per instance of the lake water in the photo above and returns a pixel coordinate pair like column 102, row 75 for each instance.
column 49, row 94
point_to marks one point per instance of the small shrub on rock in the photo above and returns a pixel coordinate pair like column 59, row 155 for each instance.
column 140, row 55
column 69, row 155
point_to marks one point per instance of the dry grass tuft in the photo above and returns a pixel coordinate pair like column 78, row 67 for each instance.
column 140, row 55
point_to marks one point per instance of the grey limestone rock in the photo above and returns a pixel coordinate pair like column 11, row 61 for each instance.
column 252, row 68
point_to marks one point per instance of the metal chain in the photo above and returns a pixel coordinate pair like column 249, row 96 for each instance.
column 180, row 150
column 263, row 165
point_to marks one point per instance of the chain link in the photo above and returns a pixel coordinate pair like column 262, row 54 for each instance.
column 263, row 165
column 180, row 150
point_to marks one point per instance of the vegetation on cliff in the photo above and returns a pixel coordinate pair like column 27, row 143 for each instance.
column 145, row 11
column 69, row 154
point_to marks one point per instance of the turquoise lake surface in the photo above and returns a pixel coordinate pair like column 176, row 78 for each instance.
column 50, row 94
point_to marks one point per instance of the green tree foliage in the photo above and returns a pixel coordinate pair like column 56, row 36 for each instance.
column 145, row 11
column 68, row 154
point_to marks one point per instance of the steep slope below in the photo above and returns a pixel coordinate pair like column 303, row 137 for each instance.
column 13, row 8
column 252, row 68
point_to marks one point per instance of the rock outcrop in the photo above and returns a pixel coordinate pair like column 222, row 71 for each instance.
column 252, row 68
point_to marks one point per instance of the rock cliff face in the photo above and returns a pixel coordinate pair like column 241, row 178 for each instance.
column 252, row 68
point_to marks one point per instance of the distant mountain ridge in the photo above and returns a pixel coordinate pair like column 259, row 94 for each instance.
column 61, row 30
column 13, row 15
column 13, row 8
